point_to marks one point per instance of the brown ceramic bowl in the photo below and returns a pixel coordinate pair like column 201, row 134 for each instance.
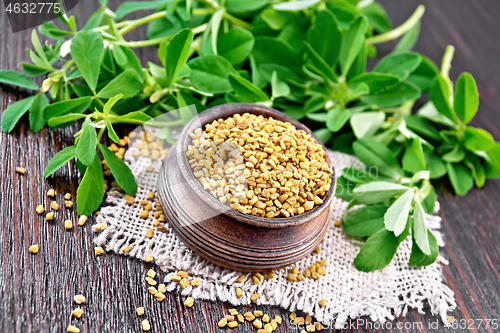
column 223, row 235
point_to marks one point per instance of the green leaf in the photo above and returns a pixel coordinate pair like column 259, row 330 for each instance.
column 456, row 155
column 236, row 45
column 422, row 127
column 135, row 117
column 295, row 5
column 87, row 49
column 120, row 170
column 374, row 153
column 14, row 112
column 440, row 97
column 366, row 123
column 418, row 258
column 63, row 121
column 337, row 118
column 413, row 158
column 399, row 64
column 38, row 47
column 478, row 139
column 420, row 229
column 435, row 165
column 377, row 17
column 245, row 5
column 424, row 75
column 87, row 141
column 94, row 20
column 127, row 59
column 409, row 39
column 127, row 83
column 396, row 217
column 36, row 112
column 493, row 161
column 60, row 159
column 430, row 201
column 478, row 172
column 392, row 96
column 128, row 7
column 358, row 176
column 111, row 131
column 110, row 103
column 214, row 28
column 320, row 64
column 33, row 70
column 247, row 89
column 76, row 105
column 16, row 79
column 323, row 134
column 327, row 45
column 365, row 221
column 344, row 189
column 377, row 192
column 278, row 88
column 378, row 251
column 210, row 74
column 91, row 190
column 466, row 101
column 460, row 178
column 352, row 42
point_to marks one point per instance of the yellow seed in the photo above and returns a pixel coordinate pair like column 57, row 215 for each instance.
column 73, row 329
column 150, row 233
column 318, row 327
column 241, row 319
column 257, row 313
column 140, row 311
column 232, row 324
column 338, row 223
column 98, row 250
column 307, row 273
column 233, row 312
column 321, row 271
column 300, row 277
column 184, row 283
column 254, row 297
column 239, row 292
column 278, row 319
column 101, row 226
column 130, row 199
column 33, row 249
column 49, row 216
column 292, row 277
column 315, row 275
column 270, row 275
column 322, row 262
column 151, row 195
column 144, row 214
column 152, row 290
column 189, row 302
column 255, row 279
column 295, row 270
column 148, row 207
column 195, row 282
column 268, row 328
column 149, row 258
column 259, row 276
column 20, row 170
column 51, row 193
column 229, row 318
column 162, row 288
column 317, row 250
column 149, row 168
column 257, row 324
column 67, row 196
column 156, row 222
column 274, row 324
column 79, row 299
column 77, row 313
column 293, row 315
column 222, row 323
column 310, row 328
column 266, row 318
column 54, row 205
column 68, row 225
column 298, row 321
column 176, row 278
column 182, row 274
column 308, row 319
column 150, row 281
column 241, row 279
column 160, row 296
column 40, row 209
column 249, row 316
column 127, row 249
column 82, row 220
column 322, row 302
column 151, row 273
column 108, row 172
column 145, row 326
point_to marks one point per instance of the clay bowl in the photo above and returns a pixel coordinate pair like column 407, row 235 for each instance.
column 223, row 235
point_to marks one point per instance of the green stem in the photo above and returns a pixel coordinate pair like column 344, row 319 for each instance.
column 446, row 63
column 167, row 123
column 101, row 133
column 98, row 100
column 399, row 31
column 136, row 23
column 237, row 21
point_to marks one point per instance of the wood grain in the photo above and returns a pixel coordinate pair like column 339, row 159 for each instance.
column 36, row 291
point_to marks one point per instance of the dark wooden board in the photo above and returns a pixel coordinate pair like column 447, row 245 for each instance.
column 36, row 292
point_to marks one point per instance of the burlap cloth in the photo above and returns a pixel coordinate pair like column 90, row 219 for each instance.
column 381, row 295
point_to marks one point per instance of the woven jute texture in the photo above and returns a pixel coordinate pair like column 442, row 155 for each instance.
column 381, row 295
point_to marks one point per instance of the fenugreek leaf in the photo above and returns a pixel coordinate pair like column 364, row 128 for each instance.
column 87, row 50
column 91, row 190
column 420, row 229
column 14, row 112
column 326, row 45
column 36, row 112
column 418, row 258
column 60, row 159
column 365, row 221
column 440, row 97
column 396, row 217
column 210, row 74
column 246, row 89
column 65, row 120
column 120, row 170
column 460, row 178
column 177, row 53
column 127, row 83
column 111, row 131
column 17, row 79
column 466, row 101
column 295, row 5
column 110, row 103
column 87, row 141
column 478, row 139
column 374, row 153
column 278, row 88
column 75, row 105
column 352, row 42
column 377, row 192
column 236, row 45
column 128, row 7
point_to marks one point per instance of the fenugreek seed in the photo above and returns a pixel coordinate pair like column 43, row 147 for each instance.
column 77, row 313
column 176, row 278
column 128, row 248
column 151, row 273
column 33, row 249
column 254, row 297
column 300, row 277
column 101, row 226
column 150, row 281
column 195, row 282
column 338, row 223
column 321, row 271
column 67, row 196
column 317, row 250
column 79, row 299
column 259, row 276
column 322, row 302
column 160, row 296
column 229, row 318
column 150, row 233
column 54, row 205
column 239, row 292
column 292, row 277
column 144, row 214
column 145, row 326
column 149, row 168
column 258, row 313
column 189, row 302
column 255, row 279
column 82, row 220
column 266, row 318
column 130, row 199
column 73, row 329
column 249, row 316
column 308, row 319
column 222, row 323
column 322, row 262
column 148, row 207
column 68, row 225
column 162, row 288
column 49, row 216
column 318, row 327
column 241, row 319
column 156, row 222
column 293, row 315
column 140, row 311
column 270, row 275
column 151, row 195
column 233, row 312
column 310, row 328
column 307, row 273
column 261, row 331
column 149, row 258
column 257, row 324
column 40, row 209
column 232, row 324
column 274, row 324
column 315, row 275
column 295, row 270
column 268, row 328
column 144, row 202
column 20, row 170
column 184, row 283
column 182, row 274
column 241, row 279
column 298, row 321
column 98, row 250
column 278, row 319
column 51, row 193
column 152, row 290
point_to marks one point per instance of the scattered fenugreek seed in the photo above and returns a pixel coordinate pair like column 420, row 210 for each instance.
column 68, row 225
column 98, row 250
column 259, row 276
column 300, row 277
column 195, row 282
column 161, row 228
column 82, row 219
column 270, row 275
column 130, row 199
column 239, row 292
column 54, row 205
column 241, row 279
column 176, row 278
column 160, row 296
column 149, row 258
column 232, row 324
column 162, row 288
column 151, row 273
column 229, row 318
column 322, row 302
column 49, row 216
column 293, row 315
column 257, row 313
column 144, row 202
column 77, row 313
column 249, row 316
column 149, row 168
column 156, row 222
column 292, row 277
column 189, row 302
column 266, row 318
column 322, row 262
column 257, row 324
column 278, row 319
column 321, row 271
column 315, row 276
column 183, row 274
column 295, row 270
column 308, row 319
column 67, row 196
column 150, row 281
column 51, row 193
column 33, row 249
column 79, row 299
column 255, row 279
column 274, row 324
column 127, row 249
column 148, row 207
column 233, row 312
column 338, row 223
column 268, row 328
column 222, row 323
column 307, row 273
column 184, row 283
column 151, row 195
column 140, row 311
column 101, row 226
column 144, row 214
column 152, row 290
column 145, row 326
column 73, row 329
column 40, row 209
column 20, row 170
column 310, row 328
column 254, row 297
column 241, row 319
column 298, row 321
column 318, row 327
column 317, row 250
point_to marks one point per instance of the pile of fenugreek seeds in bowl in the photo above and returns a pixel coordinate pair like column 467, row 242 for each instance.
column 260, row 166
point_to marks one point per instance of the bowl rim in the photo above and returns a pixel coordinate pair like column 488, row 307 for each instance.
column 225, row 111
